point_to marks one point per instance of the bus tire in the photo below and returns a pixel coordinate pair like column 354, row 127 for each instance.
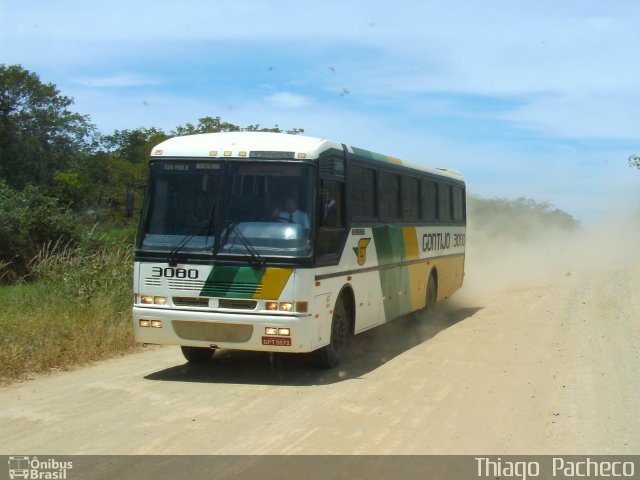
column 331, row 355
column 432, row 293
column 197, row 354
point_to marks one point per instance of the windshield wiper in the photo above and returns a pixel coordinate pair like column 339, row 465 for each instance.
column 256, row 257
column 173, row 254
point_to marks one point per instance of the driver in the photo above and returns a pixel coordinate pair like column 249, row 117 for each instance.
column 291, row 213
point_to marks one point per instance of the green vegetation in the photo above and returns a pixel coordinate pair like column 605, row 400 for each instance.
column 30, row 219
column 77, row 311
column 39, row 135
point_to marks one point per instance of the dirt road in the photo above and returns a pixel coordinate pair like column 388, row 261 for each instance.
column 548, row 366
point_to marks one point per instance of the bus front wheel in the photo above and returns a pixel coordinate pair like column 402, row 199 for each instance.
column 197, row 354
column 331, row 355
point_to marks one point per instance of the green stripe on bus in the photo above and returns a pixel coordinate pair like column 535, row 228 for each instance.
column 390, row 248
column 389, row 244
column 235, row 282
column 376, row 156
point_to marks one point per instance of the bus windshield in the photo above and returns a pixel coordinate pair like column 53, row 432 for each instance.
column 252, row 208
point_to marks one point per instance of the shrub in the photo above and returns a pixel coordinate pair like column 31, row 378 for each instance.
column 30, row 220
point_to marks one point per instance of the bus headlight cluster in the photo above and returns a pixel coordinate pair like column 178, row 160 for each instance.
column 153, row 300
column 287, row 306
column 150, row 323
column 285, row 332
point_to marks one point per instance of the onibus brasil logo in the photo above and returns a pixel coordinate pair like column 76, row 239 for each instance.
column 32, row 468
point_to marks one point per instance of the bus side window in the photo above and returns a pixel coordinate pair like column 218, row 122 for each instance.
column 390, row 196
column 363, row 192
column 458, row 205
column 429, row 200
column 444, row 202
column 410, row 198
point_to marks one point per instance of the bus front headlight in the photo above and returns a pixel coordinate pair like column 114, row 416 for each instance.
column 286, row 306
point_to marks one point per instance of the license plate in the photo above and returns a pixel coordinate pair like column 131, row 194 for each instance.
column 276, row 341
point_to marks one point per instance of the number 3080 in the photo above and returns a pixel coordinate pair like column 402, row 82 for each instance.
column 171, row 272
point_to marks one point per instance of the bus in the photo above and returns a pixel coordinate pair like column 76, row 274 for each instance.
column 288, row 243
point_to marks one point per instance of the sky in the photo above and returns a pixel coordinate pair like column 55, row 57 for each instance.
column 539, row 99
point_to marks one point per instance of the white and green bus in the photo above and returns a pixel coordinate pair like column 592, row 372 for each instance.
column 287, row 243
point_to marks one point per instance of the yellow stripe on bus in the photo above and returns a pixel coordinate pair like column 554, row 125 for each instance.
column 273, row 282
column 410, row 239
column 418, row 284
column 417, row 273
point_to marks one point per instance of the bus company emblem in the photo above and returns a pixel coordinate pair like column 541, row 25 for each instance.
column 361, row 250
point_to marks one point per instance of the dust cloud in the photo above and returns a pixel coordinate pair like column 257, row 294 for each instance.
column 545, row 256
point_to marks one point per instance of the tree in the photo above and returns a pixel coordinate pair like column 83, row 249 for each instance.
column 120, row 167
column 134, row 145
column 39, row 134
column 634, row 161
column 215, row 125
column 206, row 125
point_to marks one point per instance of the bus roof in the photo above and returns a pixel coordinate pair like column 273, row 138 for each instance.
column 241, row 144
column 216, row 144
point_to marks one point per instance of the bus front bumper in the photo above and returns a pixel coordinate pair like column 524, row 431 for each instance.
column 235, row 331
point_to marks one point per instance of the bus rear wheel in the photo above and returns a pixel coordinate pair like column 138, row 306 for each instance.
column 197, row 354
column 331, row 355
column 432, row 294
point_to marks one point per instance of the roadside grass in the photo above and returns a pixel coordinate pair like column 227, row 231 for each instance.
column 76, row 310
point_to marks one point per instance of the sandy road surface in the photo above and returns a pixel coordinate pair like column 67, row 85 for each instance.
column 551, row 367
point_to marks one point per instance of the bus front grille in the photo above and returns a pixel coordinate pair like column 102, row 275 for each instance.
column 212, row 332
column 190, row 302
column 216, row 289
column 237, row 304
column 231, row 289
